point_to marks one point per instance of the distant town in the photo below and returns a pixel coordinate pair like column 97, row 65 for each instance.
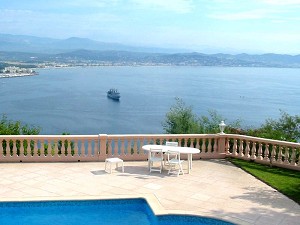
column 36, row 52
column 13, row 71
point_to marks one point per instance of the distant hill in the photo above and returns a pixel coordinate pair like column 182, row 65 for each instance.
column 25, row 43
column 31, row 50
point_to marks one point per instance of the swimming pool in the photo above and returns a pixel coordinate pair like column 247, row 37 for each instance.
column 92, row 212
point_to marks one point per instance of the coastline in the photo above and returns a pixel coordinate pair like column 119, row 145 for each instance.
column 12, row 75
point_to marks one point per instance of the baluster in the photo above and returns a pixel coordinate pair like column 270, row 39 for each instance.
column 135, row 150
column 109, row 148
column 293, row 157
column 82, row 149
column 286, row 156
column 266, row 154
column 69, row 148
column 43, row 149
column 197, row 143
column 89, row 148
column 192, row 142
column 63, row 148
column 234, row 149
column 185, row 142
column 161, row 141
column 22, row 151
column 253, row 151
column 273, row 154
column 241, row 148
column 50, row 148
column 36, row 148
column 179, row 141
column 279, row 159
column 13, row 151
column 209, row 146
column 227, row 146
column 215, row 146
column 6, row 149
column 259, row 152
column 75, row 153
column 152, row 141
column 247, row 150
column 122, row 150
column 1, row 148
column 96, row 147
column 142, row 142
column 55, row 148
column 129, row 148
column 203, row 147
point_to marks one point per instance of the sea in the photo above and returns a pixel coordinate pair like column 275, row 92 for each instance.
column 73, row 100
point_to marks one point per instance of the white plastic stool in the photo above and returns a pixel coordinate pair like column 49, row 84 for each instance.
column 114, row 160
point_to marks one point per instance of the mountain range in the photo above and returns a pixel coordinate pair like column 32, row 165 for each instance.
column 31, row 49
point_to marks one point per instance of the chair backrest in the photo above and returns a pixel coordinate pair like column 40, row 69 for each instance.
column 173, row 155
column 171, row 143
column 156, row 152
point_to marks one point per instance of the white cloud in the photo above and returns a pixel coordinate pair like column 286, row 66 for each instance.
column 92, row 3
column 177, row 6
column 246, row 15
column 282, row 2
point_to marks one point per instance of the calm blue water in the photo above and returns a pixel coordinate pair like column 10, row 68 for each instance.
column 93, row 212
column 74, row 100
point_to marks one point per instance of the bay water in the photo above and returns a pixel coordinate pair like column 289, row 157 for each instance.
column 74, row 100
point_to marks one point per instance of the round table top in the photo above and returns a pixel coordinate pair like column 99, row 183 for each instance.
column 165, row 148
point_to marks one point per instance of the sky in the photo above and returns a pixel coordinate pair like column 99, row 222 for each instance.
column 208, row 26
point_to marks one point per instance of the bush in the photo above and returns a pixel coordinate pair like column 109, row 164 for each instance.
column 181, row 120
column 9, row 127
column 286, row 128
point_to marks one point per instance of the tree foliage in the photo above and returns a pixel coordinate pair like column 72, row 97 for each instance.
column 9, row 127
column 286, row 128
column 181, row 120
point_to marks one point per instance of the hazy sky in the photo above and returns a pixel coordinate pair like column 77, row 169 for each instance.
column 251, row 26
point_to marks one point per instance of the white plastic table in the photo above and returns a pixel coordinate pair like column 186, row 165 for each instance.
column 183, row 150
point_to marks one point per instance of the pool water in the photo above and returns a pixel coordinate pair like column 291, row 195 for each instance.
column 92, row 212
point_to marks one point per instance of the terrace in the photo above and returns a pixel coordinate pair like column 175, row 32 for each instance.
column 214, row 188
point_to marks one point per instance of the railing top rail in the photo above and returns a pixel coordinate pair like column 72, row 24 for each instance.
column 140, row 136
column 263, row 140
column 14, row 137
column 162, row 135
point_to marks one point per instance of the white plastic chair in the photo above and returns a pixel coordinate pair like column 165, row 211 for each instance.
column 169, row 143
column 173, row 158
column 155, row 157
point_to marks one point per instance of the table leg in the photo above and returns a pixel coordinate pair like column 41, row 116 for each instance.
column 190, row 158
column 149, row 156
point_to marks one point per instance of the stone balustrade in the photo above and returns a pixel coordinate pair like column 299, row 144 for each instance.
column 265, row 151
column 76, row 148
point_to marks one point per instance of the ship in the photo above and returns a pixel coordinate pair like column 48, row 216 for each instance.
column 113, row 94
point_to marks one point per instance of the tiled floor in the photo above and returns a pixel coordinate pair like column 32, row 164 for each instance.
column 215, row 188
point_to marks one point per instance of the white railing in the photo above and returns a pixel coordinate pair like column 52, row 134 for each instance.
column 76, row 148
column 265, row 151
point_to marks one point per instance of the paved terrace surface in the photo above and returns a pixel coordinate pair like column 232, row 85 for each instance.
column 215, row 188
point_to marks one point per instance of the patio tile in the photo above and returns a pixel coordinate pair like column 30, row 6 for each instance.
column 215, row 188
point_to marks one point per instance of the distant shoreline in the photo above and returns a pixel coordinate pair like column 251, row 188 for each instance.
column 12, row 75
